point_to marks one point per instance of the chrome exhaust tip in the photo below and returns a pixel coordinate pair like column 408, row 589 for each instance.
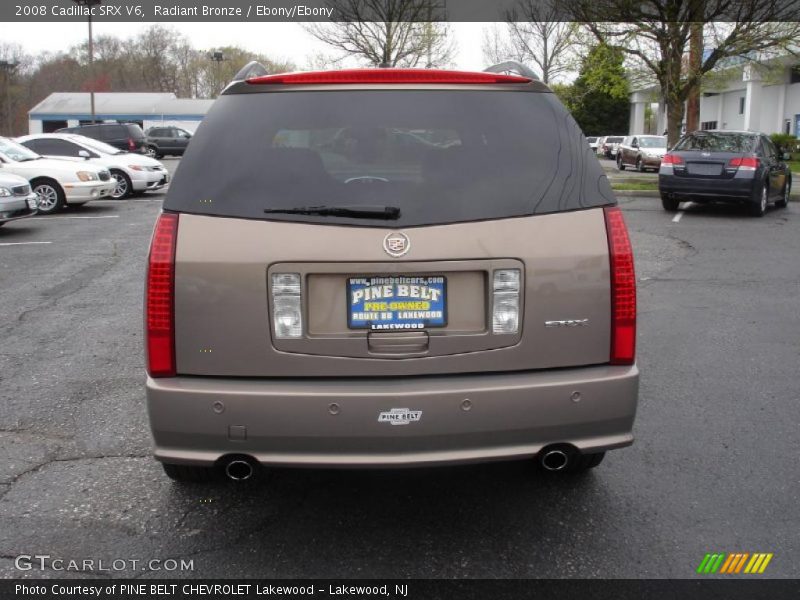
column 239, row 470
column 554, row 460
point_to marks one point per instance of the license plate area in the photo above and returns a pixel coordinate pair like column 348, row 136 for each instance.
column 396, row 302
column 705, row 169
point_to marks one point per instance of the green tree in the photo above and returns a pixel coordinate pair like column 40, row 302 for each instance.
column 599, row 97
column 655, row 36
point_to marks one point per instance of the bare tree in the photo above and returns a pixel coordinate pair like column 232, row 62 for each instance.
column 656, row 34
column 536, row 33
column 389, row 33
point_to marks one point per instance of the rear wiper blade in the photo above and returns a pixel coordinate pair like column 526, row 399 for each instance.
column 356, row 212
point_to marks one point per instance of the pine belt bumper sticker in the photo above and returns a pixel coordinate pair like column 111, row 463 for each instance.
column 396, row 303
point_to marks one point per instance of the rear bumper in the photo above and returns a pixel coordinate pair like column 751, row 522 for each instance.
column 335, row 422
column 736, row 188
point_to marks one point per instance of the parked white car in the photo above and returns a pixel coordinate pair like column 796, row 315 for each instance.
column 17, row 200
column 56, row 182
column 132, row 173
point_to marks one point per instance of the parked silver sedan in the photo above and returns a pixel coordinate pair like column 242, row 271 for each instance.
column 17, row 201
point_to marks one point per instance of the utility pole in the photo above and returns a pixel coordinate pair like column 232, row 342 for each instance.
column 90, row 4
column 8, row 67
column 218, row 56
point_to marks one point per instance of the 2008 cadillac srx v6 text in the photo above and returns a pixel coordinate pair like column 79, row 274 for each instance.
column 399, row 267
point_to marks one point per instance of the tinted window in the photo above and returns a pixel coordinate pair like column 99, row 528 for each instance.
column 613, row 140
column 132, row 130
column 156, row 132
column 110, row 132
column 440, row 156
column 55, row 147
column 769, row 147
column 718, row 142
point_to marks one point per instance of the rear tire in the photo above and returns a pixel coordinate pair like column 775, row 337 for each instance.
column 584, row 462
column 151, row 152
column 620, row 164
column 639, row 166
column 784, row 201
column 669, row 203
column 758, row 208
column 189, row 473
column 50, row 195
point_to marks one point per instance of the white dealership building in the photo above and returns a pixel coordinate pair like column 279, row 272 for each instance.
column 743, row 97
column 147, row 109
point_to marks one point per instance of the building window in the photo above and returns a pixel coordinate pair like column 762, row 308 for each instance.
column 794, row 74
column 741, row 105
column 706, row 125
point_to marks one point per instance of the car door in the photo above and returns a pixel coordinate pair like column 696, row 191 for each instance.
column 631, row 150
column 182, row 138
column 775, row 167
column 157, row 137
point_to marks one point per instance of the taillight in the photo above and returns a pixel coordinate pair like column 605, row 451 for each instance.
column 623, row 289
column 745, row 163
column 672, row 159
column 131, row 145
column 380, row 76
column 160, row 298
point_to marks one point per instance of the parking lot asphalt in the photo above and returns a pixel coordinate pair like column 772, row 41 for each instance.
column 713, row 469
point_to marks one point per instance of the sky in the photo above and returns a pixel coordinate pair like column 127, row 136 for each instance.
column 276, row 40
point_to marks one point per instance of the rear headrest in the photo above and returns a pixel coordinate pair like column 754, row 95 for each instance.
column 291, row 165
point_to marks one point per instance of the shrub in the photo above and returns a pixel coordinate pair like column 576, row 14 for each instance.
column 786, row 142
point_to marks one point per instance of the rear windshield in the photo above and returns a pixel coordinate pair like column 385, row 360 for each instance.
column 134, row 131
column 439, row 156
column 613, row 140
column 718, row 142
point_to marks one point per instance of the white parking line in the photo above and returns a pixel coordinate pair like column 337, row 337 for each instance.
column 682, row 208
column 23, row 243
column 103, row 217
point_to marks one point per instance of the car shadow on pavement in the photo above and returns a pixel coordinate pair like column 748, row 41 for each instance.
column 491, row 520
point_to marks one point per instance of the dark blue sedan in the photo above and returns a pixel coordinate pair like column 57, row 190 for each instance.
column 725, row 166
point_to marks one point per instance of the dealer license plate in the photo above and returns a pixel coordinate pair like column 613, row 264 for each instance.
column 396, row 302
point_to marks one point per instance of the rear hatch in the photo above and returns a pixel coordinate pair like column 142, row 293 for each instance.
column 711, row 155
column 367, row 230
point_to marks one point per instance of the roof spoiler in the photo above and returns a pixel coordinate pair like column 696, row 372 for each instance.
column 513, row 67
column 251, row 69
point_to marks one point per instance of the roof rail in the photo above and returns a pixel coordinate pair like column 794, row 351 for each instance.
column 513, row 67
column 251, row 69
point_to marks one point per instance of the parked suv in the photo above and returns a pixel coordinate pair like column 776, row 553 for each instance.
column 123, row 136
column 166, row 140
column 641, row 152
column 371, row 303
